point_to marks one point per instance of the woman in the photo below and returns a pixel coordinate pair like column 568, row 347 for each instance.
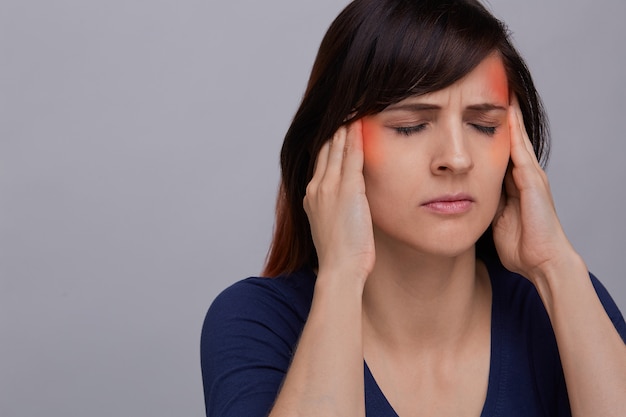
column 411, row 188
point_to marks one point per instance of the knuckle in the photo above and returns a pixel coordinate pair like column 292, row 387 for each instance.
column 310, row 189
column 325, row 189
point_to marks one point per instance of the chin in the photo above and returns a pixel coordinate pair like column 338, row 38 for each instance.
column 435, row 245
column 447, row 250
column 428, row 238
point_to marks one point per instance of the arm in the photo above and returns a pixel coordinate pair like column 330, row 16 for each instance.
column 326, row 375
column 592, row 352
column 530, row 241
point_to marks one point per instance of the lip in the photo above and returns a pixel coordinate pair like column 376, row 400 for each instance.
column 450, row 204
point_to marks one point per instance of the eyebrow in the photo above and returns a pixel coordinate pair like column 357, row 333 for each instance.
column 486, row 107
column 415, row 107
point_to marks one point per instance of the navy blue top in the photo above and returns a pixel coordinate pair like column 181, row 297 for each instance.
column 252, row 328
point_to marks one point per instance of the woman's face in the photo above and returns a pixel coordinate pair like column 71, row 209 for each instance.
column 434, row 164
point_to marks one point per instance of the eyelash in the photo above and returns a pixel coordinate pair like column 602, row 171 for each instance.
column 487, row 130
column 409, row 130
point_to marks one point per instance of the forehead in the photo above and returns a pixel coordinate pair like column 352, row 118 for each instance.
column 487, row 82
column 489, row 77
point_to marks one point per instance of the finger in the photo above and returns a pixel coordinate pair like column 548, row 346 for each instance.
column 335, row 155
column 522, row 127
column 525, row 138
column 529, row 172
column 353, row 163
column 519, row 152
column 517, row 144
column 519, row 137
column 320, row 163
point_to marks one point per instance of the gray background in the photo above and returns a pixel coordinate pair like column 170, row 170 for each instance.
column 139, row 149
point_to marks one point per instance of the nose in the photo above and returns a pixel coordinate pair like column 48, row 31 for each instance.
column 452, row 154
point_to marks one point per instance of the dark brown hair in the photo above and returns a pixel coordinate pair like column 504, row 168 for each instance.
column 377, row 53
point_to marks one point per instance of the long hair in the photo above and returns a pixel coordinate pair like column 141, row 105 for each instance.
column 377, row 53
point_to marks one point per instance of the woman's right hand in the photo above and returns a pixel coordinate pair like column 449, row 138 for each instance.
column 337, row 207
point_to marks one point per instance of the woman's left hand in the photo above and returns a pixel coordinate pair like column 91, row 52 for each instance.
column 526, row 230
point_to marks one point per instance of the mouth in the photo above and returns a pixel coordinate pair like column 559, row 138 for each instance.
column 450, row 204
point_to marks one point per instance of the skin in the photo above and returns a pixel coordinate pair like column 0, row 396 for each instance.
column 413, row 156
column 398, row 281
column 426, row 302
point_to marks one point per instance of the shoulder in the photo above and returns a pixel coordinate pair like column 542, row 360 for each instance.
column 259, row 306
column 265, row 298
column 249, row 335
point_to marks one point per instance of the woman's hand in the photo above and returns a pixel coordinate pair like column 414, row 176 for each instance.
column 526, row 229
column 325, row 377
column 530, row 241
column 337, row 207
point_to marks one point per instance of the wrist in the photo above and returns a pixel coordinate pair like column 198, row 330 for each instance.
column 554, row 276
column 344, row 281
column 553, row 268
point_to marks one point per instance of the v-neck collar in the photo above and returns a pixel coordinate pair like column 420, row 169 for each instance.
column 379, row 406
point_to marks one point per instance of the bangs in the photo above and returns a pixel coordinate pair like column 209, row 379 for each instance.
column 417, row 47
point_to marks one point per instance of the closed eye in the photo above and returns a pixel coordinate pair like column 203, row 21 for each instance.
column 488, row 130
column 409, row 130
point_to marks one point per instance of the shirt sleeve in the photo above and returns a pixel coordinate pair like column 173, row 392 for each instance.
column 248, row 338
column 610, row 307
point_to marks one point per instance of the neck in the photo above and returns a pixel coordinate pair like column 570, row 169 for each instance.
column 427, row 303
